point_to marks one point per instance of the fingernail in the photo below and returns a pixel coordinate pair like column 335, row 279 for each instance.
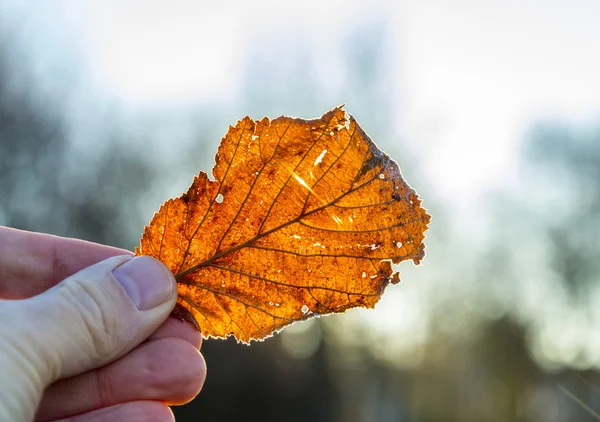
column 147, row 282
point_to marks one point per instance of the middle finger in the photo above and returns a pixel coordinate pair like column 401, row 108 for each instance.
column 168, row 369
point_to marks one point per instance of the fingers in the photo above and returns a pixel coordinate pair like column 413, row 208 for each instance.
column 137, row 411
column 31, row 263
column 169, row 370
column 174, row 327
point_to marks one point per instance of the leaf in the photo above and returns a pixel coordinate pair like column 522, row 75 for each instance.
column 305, row 218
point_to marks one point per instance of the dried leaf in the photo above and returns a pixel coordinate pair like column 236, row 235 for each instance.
column 305, row 218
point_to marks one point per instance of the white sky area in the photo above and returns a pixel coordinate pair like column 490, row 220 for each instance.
column 472, row 76
column 478, row 73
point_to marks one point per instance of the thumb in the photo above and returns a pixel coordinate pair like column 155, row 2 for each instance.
column 86, row 321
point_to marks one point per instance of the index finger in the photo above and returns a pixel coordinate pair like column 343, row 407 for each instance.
column 31, row 263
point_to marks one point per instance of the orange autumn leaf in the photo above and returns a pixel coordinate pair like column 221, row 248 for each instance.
column 304, row 218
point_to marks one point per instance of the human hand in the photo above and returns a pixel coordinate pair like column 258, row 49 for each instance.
column 76, row 343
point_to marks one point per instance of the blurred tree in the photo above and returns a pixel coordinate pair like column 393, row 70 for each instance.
column 45, row 184
column 32, row 147
column 568, row 159
column 543, row 266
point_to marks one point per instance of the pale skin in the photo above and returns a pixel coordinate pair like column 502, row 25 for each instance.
column 165, row 369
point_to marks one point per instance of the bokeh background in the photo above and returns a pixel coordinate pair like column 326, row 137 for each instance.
column 491, row 108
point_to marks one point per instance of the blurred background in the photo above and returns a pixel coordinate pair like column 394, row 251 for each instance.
column 492, row 110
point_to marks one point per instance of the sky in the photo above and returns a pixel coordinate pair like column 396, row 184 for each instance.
column 482, row 72
column 472, row 76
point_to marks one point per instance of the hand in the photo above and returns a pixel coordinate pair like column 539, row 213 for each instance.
column 89, row 334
